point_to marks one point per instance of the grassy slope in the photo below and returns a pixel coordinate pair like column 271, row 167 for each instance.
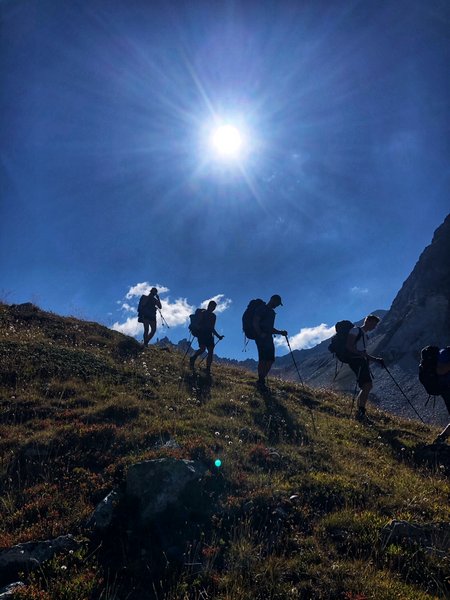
column 304, row 490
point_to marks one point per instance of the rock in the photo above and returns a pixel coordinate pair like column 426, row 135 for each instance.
column 30, row 555
column 102, row 517
column 156, row 484
column 434, row 535
column 8, row 592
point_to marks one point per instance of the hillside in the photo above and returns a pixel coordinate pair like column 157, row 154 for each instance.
column 297, row 508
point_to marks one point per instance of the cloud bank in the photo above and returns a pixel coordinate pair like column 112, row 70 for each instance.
column 307, row 337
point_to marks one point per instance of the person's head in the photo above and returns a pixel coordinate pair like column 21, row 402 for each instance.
column 212, row 305
column 370, row 322
column 275, row 301
column 153, row 291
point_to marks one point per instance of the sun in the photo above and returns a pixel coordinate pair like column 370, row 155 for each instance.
column 227, row 142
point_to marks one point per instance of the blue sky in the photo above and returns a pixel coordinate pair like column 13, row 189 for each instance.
column 109, row 183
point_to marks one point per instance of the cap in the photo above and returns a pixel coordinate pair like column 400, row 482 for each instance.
column 277, row 298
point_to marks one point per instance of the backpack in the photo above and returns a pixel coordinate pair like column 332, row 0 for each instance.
column 338, row 344
column 196, row 319
column 427, row 370
column 142, row 303
column 248, row 316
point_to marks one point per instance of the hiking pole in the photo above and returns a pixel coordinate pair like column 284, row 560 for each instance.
column 188, row 348
column 293, row 358
column 164, row 322
column 408, row 400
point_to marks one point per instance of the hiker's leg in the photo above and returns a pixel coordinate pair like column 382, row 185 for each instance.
column 445, row 433
column 364, row 394
column 364, row 382
column 266, row 355
column 200, row 351
column 146, row 327
column 264, row 367
column 152, row 330
column 209, row 358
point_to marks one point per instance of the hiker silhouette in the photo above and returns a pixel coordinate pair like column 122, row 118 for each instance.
column 205, row 332
column 147, row 313
column 262, row 324
column 358, row 360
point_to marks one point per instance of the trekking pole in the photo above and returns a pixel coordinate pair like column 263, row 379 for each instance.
column 406, row 397
column 293, row 358
column 164, row 322
column 191, row 339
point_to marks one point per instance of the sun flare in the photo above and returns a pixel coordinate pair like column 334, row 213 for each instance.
column 227, row 141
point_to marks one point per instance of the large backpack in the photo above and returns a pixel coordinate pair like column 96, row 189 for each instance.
column 196, row 322
column 338, row 344
column 248, row 316
column 428, row 376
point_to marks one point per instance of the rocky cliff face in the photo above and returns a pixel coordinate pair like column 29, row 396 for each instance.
column 419, row 315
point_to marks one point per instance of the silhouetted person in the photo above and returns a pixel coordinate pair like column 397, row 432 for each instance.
column 359, row 361
column 264, row 328
column 206, row 335
column 147, row 313
column 443, row 372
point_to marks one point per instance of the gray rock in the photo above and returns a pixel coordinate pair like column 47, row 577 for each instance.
column 102, row 517
column 28, row 556
column 433, row 535
column 156, row 484
column 7, row 592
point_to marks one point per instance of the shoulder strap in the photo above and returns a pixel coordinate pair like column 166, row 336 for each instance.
column 359, row 336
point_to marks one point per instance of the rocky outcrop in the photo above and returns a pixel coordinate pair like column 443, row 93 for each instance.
column 157, row 484
column 433, row 536
column 420, row 313
column 27, row 557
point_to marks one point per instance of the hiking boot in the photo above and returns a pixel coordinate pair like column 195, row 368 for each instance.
column 361, row 415
column 261, row 384
column 439, row 441
column 192, row 362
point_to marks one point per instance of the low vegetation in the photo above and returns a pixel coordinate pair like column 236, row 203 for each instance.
column 299, row 500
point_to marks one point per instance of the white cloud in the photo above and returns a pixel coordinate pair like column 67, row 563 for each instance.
column 222, row 303
column 176, row 313
column 358, row 290
column 144, row 288
column 308, row 337
column 130, row 327
column 127, row 307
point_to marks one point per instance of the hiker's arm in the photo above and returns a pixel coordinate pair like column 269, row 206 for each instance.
column 280, row 331
column 217, row 334
column 158, row 302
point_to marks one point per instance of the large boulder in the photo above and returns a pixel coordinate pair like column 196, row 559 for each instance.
column 155, row 485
